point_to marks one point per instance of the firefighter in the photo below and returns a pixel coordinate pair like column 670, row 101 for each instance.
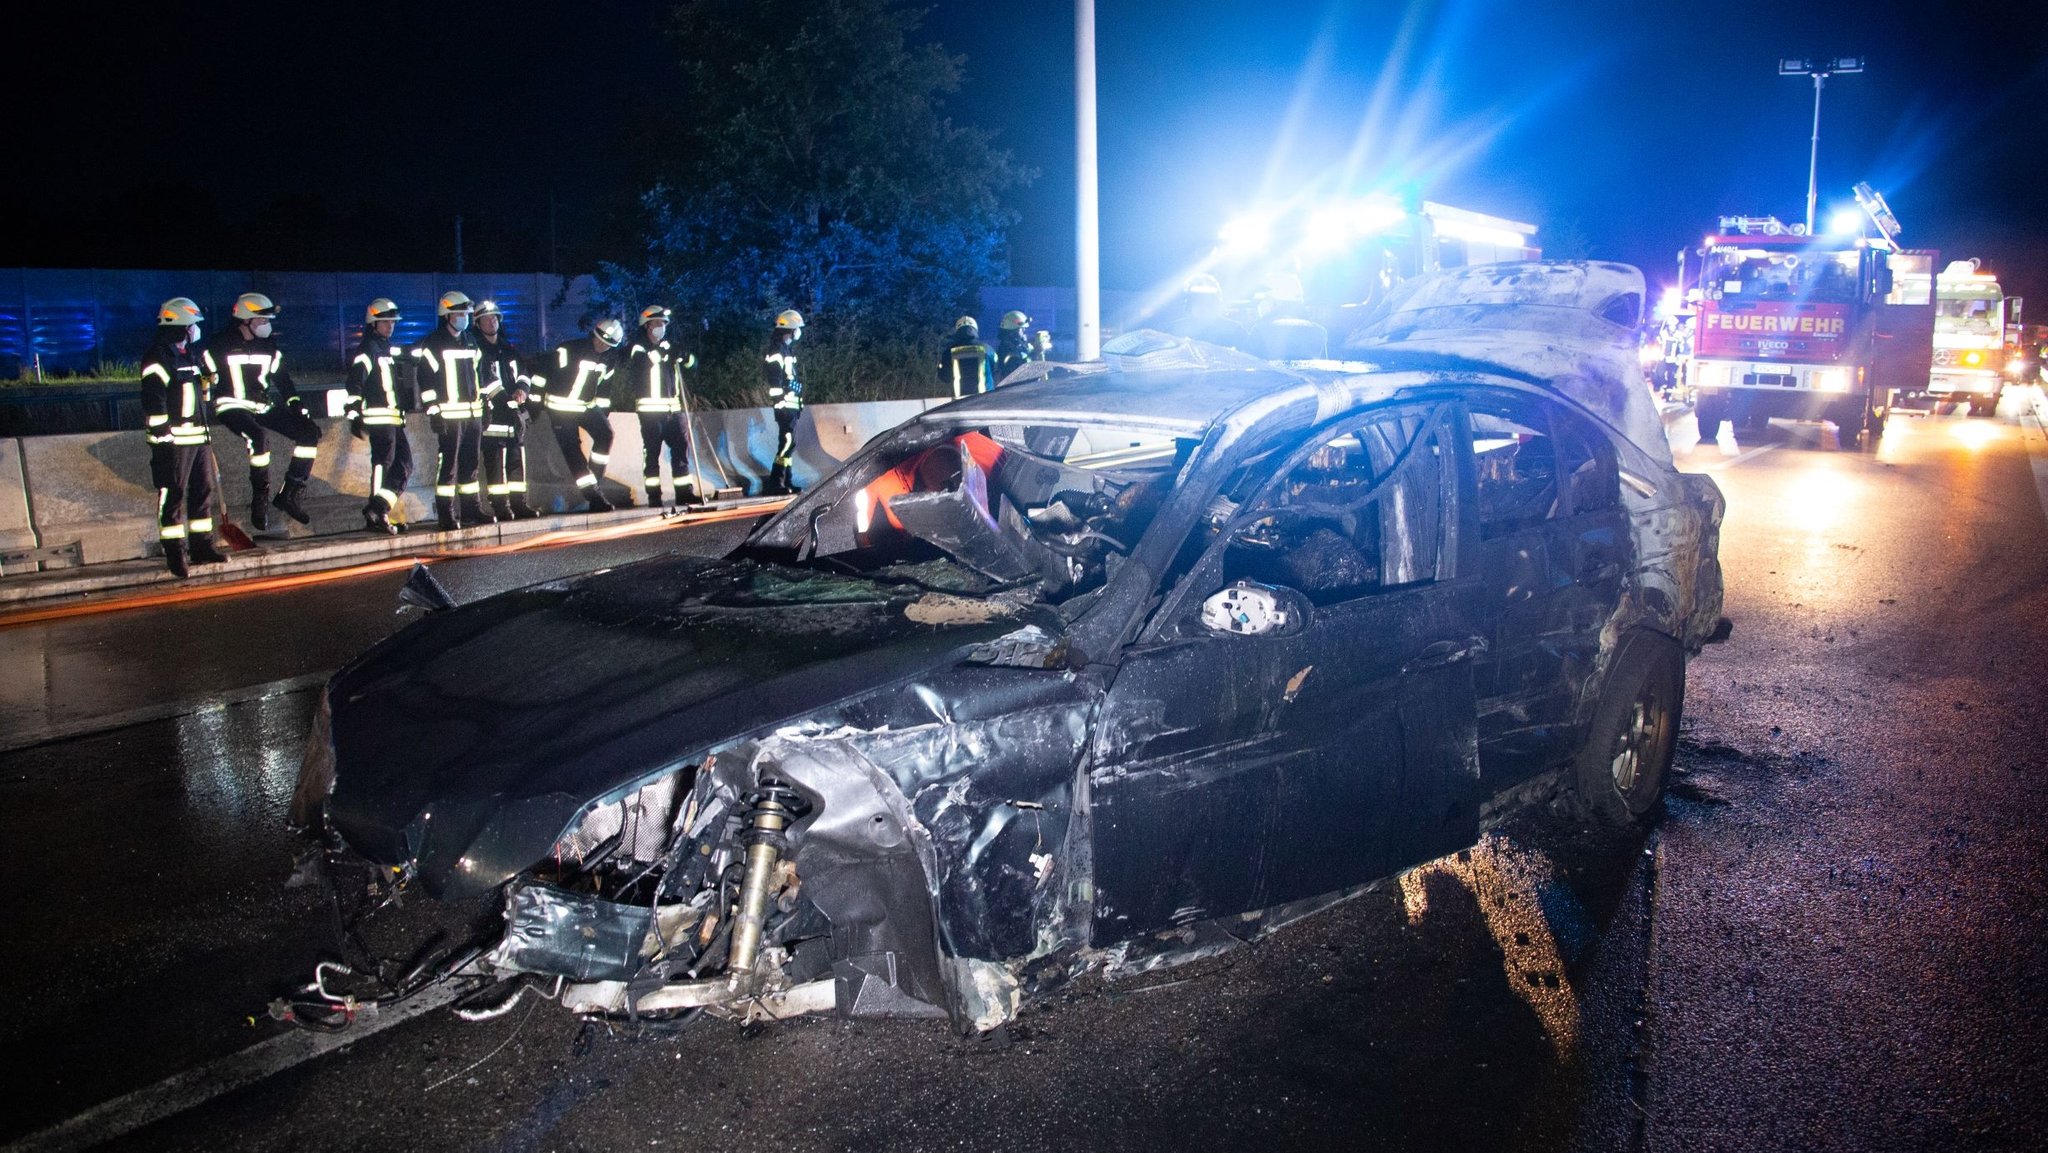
column 1284, row 331
column 175, row 377
column 253, row 397
column 453, row 391
column 1014, row 346
column 656, row 367
column 376, row 412
column 967, row 364
column 1202, row 317
column 511, row 390
column 579, row 399
column 786, row 395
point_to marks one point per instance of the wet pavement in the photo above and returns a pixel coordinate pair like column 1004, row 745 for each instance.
column 1832, row 940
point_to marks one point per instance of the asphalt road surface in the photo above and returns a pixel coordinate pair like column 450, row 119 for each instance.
column 1833, row 940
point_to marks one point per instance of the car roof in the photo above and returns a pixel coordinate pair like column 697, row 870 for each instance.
column 1560, row 328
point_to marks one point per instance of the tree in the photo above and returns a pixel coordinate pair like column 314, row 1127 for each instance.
column 815, row 168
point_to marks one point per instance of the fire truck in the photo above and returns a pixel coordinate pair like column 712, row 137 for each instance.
column 1969, row 338
column 1829, row 328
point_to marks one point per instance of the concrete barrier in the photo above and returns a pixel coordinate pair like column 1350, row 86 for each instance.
column 93, row 490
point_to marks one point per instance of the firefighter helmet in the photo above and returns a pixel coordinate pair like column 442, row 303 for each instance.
column 968, row 322
column 610, row 331
column 254, row 306
column 789, row 318
column 1015, row 319
column 1203, row 284
column 453, row 304
column 382, row 308
column 655, row 314
column 179, row 312
column 488, row 308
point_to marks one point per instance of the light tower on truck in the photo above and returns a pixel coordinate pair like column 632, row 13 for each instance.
column 1820, row 70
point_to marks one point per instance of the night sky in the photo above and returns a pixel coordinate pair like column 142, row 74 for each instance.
column 141, row 140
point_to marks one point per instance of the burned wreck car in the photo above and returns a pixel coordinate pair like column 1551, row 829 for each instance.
column 1121, row 664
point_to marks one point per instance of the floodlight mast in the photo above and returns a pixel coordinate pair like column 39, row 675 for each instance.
column 1820, row 70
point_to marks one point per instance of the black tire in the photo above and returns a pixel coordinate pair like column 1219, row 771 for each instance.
column 1709, row 411
column 1983, row 406
column 1618, row 777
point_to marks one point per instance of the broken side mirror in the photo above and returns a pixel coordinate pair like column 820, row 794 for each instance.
column 1248, row 608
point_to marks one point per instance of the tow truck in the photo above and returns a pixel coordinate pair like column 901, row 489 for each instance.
column 1804, row 327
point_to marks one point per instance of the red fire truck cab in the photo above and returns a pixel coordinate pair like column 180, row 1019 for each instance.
column 1807, row 328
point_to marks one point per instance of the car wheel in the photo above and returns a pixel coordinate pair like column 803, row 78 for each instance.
column 1980, row 406
column 1621, row 770
column 1709, row 411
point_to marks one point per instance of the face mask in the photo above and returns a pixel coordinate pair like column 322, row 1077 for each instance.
column 261, row 328
column 191, row 333
column 461, row 323
column 657, row 332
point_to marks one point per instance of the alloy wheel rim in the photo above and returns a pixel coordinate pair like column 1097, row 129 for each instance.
column 1635, row 740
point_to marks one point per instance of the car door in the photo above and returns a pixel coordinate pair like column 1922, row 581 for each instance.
column 1554, row 547
column 1234, row 771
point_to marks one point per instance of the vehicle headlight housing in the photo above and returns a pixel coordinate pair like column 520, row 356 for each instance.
column 1832, row 380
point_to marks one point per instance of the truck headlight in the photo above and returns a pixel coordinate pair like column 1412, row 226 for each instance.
column 1831, row 380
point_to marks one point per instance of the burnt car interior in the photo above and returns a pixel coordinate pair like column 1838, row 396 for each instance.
column 1055, row 506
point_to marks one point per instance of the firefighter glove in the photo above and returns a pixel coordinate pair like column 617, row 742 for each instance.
column 437, row 422
column 356, row 428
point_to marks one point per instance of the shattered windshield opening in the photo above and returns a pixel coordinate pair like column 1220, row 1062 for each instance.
column 1054, row 507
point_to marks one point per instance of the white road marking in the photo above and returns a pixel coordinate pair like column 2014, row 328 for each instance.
column 195, row 1087
column 1738, row 459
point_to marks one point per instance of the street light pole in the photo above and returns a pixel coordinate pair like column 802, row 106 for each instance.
column 1820, row 70
column 1087, row 233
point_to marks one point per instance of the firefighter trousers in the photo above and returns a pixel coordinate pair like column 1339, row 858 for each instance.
column 656, row 430
column 390, row 466
column 596, row 422
column 184, row 490
column 505, row 462
column 459, row 450
column 254, row 429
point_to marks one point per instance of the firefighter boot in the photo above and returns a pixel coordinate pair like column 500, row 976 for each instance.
column 594, row 501
column 473, row 510
column 686, row 496
column 521, row 509
column 501, row 507
column 201, row 551
column 259, row 505
column 444, row 514
column 375, row 522
column 287, row 502
column 174, row 559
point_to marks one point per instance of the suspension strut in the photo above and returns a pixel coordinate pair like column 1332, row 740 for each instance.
column 775, row 805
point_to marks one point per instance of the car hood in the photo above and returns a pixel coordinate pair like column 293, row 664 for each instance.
column 468, row 742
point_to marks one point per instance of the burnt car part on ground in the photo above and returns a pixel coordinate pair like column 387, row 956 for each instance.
column 1046, row 681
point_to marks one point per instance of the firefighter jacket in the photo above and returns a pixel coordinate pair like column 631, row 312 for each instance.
column 579, row 377
column 968, row 365
column 250, row 371
column 778, row 372
column 502, row 377
column 1014, row 350
column 174, row 384
column 452, row 386
column 656, row 371
column 374, row 381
